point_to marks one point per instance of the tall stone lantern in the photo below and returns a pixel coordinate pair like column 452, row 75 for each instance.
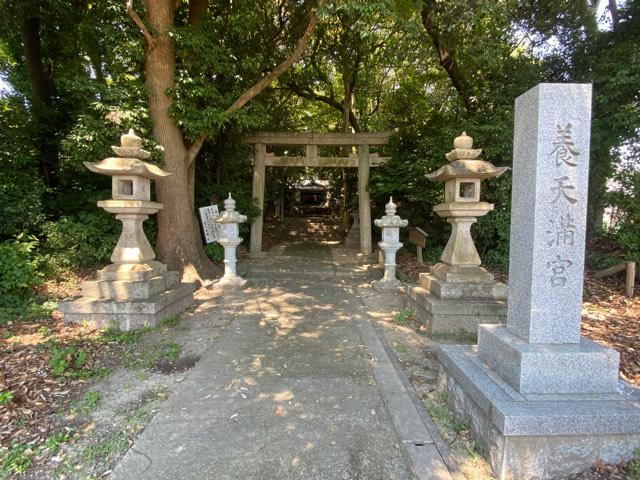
column 458, row 292
column 135, row 290
column 229, row 238
column 390, row 244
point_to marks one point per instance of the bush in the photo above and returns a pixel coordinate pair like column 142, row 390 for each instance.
column 82, row 240
column 19, row 275
column 214, row 251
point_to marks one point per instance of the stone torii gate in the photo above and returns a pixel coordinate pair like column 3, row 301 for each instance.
column 363, row 161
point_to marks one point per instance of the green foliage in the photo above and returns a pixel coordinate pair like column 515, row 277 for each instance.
column 81, row 240
column 54, row 442
column 403, row 315
column 6, row 397
column 89, row 403
column 19, row 275
column 634, row 465
column 15, row 459
column 67, row 360
column 214, row 251
column 625, row 198
column 130, row 337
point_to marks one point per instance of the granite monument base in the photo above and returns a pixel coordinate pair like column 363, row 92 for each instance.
column 129, row 297
column 452, row 298
column 541, row 436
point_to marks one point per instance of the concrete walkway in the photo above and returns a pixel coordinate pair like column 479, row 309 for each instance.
column 299, row 387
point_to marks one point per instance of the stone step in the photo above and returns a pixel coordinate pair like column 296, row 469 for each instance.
column 127, row 289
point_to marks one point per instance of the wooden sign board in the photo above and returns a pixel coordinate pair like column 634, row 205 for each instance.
column 210, row 228
column 417, row 236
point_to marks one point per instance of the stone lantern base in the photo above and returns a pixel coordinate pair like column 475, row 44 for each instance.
column 129, row 297
column 452, row 298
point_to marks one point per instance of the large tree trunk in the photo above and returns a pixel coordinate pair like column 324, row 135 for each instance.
column 40, row 99
column 179, row 241
column 447, row 58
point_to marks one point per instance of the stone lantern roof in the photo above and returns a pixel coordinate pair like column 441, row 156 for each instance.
column 230, row 215
column 465, row 163
column 390, row 219
column 129, row 161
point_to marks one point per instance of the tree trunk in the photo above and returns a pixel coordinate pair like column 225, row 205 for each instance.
column 447, row 58
column 40, row 99
column 179, row 242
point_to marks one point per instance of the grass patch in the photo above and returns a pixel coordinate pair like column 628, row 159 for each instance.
column 88, row 404
column 130, row 337
column 54, row 441
column 15, row 459
column 634, row 465
column 461, row 336
column 143, row 414
column 18, row 458
column 149, row 356
column 436, row 405
column 172, row 321
column 6, row 397
column 400, row 347
column 105, row 447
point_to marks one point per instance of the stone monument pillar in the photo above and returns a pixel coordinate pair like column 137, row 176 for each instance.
column 230, row 239
column 458, row 293
column 390, row 244
column 135, row 290
column 543, row 401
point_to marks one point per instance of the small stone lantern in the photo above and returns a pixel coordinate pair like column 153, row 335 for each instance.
column 462, row 205
column 229, row 238
column 390, row 244
column 135, row 290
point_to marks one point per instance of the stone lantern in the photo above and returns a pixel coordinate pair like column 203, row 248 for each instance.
column 135, row 290
column 229, row 238
column 390, row 244
column 458, row 293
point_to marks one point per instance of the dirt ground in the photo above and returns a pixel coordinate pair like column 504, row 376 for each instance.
column 77, row 424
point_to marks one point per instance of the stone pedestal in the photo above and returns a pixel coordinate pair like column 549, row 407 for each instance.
column 446, row 301
column 135, row 291
column 457, row 293
column 129, row 298
column 542, row 401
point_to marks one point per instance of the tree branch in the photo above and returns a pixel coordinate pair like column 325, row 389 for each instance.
column 264, row 82
column 332, row 102
column 447, row 58
column 138, row 21
column 613, row 11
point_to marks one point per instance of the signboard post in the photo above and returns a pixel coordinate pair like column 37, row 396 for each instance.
column 417, row 237
column 210, row 228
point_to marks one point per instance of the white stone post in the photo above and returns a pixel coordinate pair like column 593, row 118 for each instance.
column 390, row 244
column 230, row 239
